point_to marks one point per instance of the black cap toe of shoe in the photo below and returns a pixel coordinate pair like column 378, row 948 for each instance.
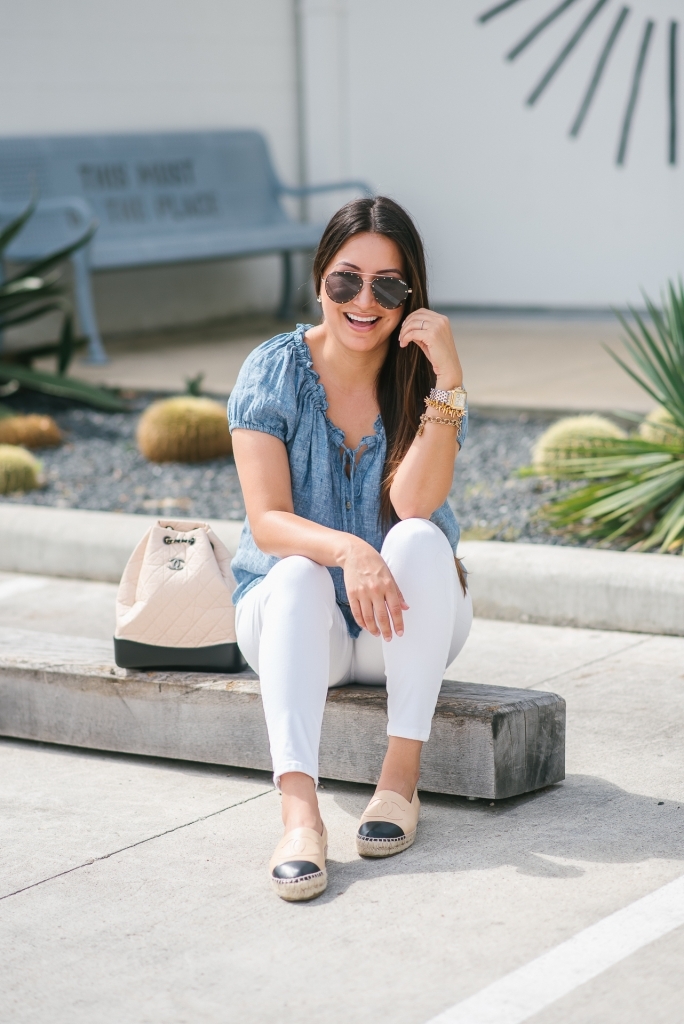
column 295, row 869
column 380, row 830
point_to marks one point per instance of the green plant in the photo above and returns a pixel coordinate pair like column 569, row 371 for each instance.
column 634, row 492
column 33, row 292
column 568, row 436
column 19, row 470
column 193, row 385
column 184, row 429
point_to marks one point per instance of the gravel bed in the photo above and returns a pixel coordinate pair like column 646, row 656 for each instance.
column 99, row 467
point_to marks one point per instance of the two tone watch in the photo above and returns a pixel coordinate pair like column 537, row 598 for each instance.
column 455, row 399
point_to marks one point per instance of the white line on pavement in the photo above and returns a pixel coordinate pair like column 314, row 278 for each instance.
column 526, row 991
column 8, row 588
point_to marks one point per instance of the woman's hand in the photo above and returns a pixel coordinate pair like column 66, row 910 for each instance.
column 431, row 332
column 375, row 599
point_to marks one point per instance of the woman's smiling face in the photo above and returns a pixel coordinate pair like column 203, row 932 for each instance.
column 363, row 324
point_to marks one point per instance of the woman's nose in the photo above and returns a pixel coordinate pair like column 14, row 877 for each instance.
column 365, row 298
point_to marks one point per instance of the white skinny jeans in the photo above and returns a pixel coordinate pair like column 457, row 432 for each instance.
column 293, row 634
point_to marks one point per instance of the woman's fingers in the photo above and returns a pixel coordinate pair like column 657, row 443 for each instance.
column 382, row 619
column 368, row 612
column 394, row 606
column 356, row 612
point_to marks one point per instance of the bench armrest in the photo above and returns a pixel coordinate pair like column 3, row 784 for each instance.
column 335, row 186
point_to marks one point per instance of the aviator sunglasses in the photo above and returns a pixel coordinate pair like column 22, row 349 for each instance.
column 343, row 286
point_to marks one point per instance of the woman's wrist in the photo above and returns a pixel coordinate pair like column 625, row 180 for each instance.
column 349, row 545
column 449, row 380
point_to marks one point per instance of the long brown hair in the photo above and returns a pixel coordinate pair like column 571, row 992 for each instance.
column 406, row 376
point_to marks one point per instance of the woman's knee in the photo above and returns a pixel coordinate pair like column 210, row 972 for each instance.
column 301, row 581
column 418, row 539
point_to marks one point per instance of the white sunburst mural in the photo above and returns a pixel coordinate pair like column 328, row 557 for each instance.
column 607, row 18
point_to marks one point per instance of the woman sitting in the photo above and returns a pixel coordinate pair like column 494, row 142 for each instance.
column 345, row 436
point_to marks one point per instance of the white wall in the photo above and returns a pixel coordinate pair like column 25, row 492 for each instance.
column 70, row 66
column 417, row 98
column 412, row 95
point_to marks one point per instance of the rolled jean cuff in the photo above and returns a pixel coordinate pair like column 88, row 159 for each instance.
column 295, row 766
column 409, row 734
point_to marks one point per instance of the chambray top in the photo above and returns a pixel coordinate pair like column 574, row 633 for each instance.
column 278, row 392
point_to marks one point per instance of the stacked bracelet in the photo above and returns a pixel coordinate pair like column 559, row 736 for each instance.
column 444, row 407
column 452, row 421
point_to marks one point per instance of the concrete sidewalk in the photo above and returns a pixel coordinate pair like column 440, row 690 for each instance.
column 512, row 363
column 135, row 889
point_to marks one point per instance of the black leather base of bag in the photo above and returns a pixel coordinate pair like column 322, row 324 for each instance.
column 217, row 658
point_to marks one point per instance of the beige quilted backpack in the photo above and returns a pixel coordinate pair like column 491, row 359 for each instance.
column 174, row 608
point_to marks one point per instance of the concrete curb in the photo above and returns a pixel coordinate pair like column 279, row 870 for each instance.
column 582, row 587
column 77, row 543
column 540, row 583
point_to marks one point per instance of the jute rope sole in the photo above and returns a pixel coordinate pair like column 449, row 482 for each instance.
column 383, row 847
column 305, row 888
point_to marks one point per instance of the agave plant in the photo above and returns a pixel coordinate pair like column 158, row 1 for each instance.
column 634, row 494
column 33, row 292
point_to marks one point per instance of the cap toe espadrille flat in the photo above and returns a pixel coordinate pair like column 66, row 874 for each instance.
column 388, row 825
column 297, row 867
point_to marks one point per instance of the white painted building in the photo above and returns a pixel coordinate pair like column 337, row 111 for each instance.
column 415, row 96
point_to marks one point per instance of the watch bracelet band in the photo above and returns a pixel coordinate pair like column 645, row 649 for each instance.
column 455, row 399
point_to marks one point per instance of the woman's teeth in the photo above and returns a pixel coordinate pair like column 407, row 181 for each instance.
column 361, row 319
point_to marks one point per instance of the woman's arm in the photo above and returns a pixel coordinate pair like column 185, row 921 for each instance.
column 424, row 478
column 264, row 472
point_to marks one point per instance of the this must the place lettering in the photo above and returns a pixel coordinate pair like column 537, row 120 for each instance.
column 125, row 211
column 181, row 207
column 166, row 172
column 101, row 177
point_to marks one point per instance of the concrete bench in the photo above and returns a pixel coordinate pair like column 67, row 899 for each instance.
column 158, row 198
column 487, row 741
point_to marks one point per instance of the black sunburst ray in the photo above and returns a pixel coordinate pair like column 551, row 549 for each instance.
column 580, row 32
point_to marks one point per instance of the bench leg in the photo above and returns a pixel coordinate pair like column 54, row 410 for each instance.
column 285, row 308
column 86, row 308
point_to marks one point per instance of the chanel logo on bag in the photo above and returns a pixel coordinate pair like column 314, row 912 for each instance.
column 176, row 563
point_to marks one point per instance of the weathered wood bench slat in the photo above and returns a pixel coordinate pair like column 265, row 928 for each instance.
column 487, row 741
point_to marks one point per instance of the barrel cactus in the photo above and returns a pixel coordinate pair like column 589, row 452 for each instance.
column 30, row 431
column 660, row 428
column 19, row 470
column 569, row 435
column 184, row 429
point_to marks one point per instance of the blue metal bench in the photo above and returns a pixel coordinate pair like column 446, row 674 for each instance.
column 157, row 198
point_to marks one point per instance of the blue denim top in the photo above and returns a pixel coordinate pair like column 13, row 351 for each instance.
column 278, row 392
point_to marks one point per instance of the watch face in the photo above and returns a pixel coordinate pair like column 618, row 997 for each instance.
column 458, row 399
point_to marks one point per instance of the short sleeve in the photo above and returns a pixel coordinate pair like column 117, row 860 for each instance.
column 264, row 396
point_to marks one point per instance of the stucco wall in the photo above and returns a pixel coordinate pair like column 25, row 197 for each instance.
column 419, row 99
column 137, row 65
column 415, row 97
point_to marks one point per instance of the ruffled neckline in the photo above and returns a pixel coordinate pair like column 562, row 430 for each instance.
column 316, row 391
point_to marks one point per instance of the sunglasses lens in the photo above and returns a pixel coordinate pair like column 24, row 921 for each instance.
column 341, row 286
column 389, row 291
